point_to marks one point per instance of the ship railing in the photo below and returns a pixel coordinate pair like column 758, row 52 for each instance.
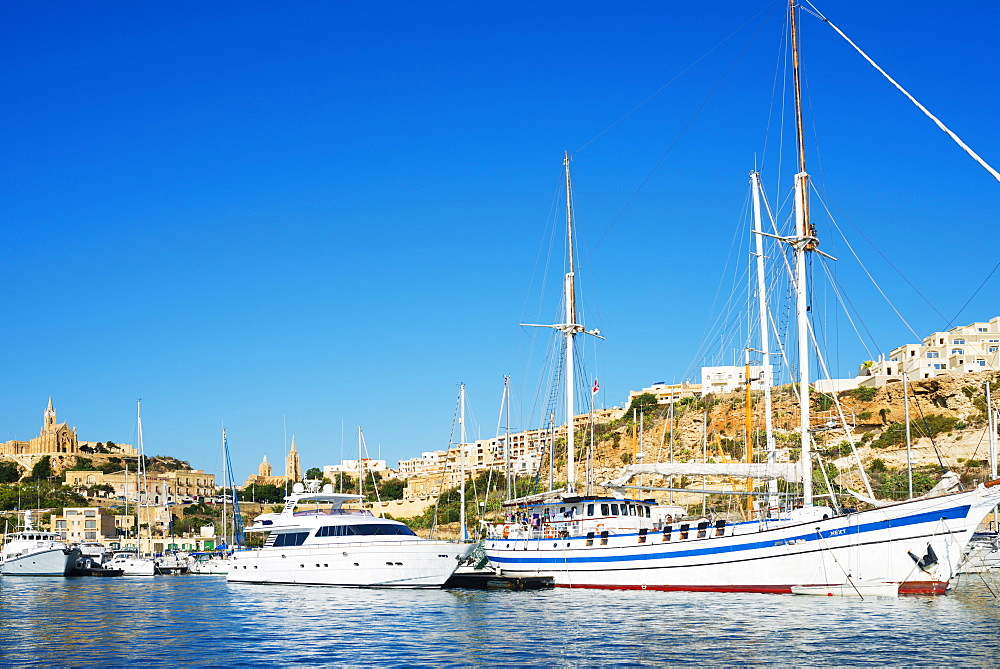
column 334, row 512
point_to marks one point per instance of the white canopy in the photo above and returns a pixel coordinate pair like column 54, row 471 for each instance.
column 789, row 471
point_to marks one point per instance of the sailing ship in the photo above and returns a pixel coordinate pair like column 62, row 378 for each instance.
column 911, row 547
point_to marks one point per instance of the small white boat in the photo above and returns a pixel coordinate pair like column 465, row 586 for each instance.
column 859, row 589
column 171, row 563
column 343, row 547
column 131, row 563
column 208, row 563
column 31, row 552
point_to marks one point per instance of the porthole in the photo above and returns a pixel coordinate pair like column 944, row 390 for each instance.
column 325, row 565
column 555, row 545
column 356, row 564
column 302, row 566
column 317, row 565
column 399, row 564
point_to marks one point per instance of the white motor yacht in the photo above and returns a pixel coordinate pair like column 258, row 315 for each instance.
column 208, row 563
column 345, row 547
column 31, row 552
column 131, row 563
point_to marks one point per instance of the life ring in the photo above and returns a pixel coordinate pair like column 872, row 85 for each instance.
column 600, row 527
column 506, row 531
column 550, row 532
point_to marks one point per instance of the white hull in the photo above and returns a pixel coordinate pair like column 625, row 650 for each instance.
column 47, row 562
column 213, row 566
column 133, row 566
column 872, row 546
column 415, row 563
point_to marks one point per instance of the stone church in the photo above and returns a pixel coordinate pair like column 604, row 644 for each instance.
column 293, row 471
column 54, row 438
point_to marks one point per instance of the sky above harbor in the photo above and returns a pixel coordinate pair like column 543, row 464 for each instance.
column 298, row 218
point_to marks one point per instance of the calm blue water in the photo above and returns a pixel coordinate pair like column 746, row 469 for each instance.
column 202, row 620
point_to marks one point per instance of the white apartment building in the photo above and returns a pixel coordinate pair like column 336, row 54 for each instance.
column 353, row 467
column 527, row 449
column 727, row 379
column 666, row 393
column 967, row 348
column 429, row 462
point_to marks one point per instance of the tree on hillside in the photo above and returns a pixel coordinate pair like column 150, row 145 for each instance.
column 264, row 493
column 644, row 403
column 9, row 472
column 391, row 489
column 42, row 469
column 314, row 473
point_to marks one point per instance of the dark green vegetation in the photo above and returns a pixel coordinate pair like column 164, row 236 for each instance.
column 38, row 495
column 931, row 425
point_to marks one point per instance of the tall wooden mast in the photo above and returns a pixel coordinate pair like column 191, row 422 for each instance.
column 803, row 242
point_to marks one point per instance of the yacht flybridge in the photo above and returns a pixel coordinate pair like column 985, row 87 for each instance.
column 314, row 540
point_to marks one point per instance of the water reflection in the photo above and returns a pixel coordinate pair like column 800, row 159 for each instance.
column 203, row 620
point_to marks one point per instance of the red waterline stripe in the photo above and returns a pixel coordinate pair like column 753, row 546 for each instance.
column 908, row 588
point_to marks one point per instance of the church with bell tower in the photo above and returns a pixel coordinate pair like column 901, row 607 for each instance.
column 293, row 471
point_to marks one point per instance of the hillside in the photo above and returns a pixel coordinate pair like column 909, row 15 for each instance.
column 947, row 417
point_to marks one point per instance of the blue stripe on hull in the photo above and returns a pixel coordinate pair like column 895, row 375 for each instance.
column 959, row 512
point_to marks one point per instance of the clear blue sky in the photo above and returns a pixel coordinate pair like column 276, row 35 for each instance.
column 331, row 213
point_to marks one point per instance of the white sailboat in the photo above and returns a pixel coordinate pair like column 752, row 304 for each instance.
column 132, row 562
column 911, row 547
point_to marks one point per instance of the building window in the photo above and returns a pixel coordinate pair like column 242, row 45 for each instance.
column 933, row 354
column 993, row 349
column 90, row 524
column 940, row 365
column 981, row 330
column 90, row 536
column 957, row 351
column 957, row 341
column 981, row 362
column 60, row 524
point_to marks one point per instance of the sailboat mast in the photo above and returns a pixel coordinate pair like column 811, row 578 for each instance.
column 570, row 333
column 461, row 455
column 805, row 241
column 506, row 437
column 227, row 485
column 765, row 337
column 141, row 483
column 361, row 469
